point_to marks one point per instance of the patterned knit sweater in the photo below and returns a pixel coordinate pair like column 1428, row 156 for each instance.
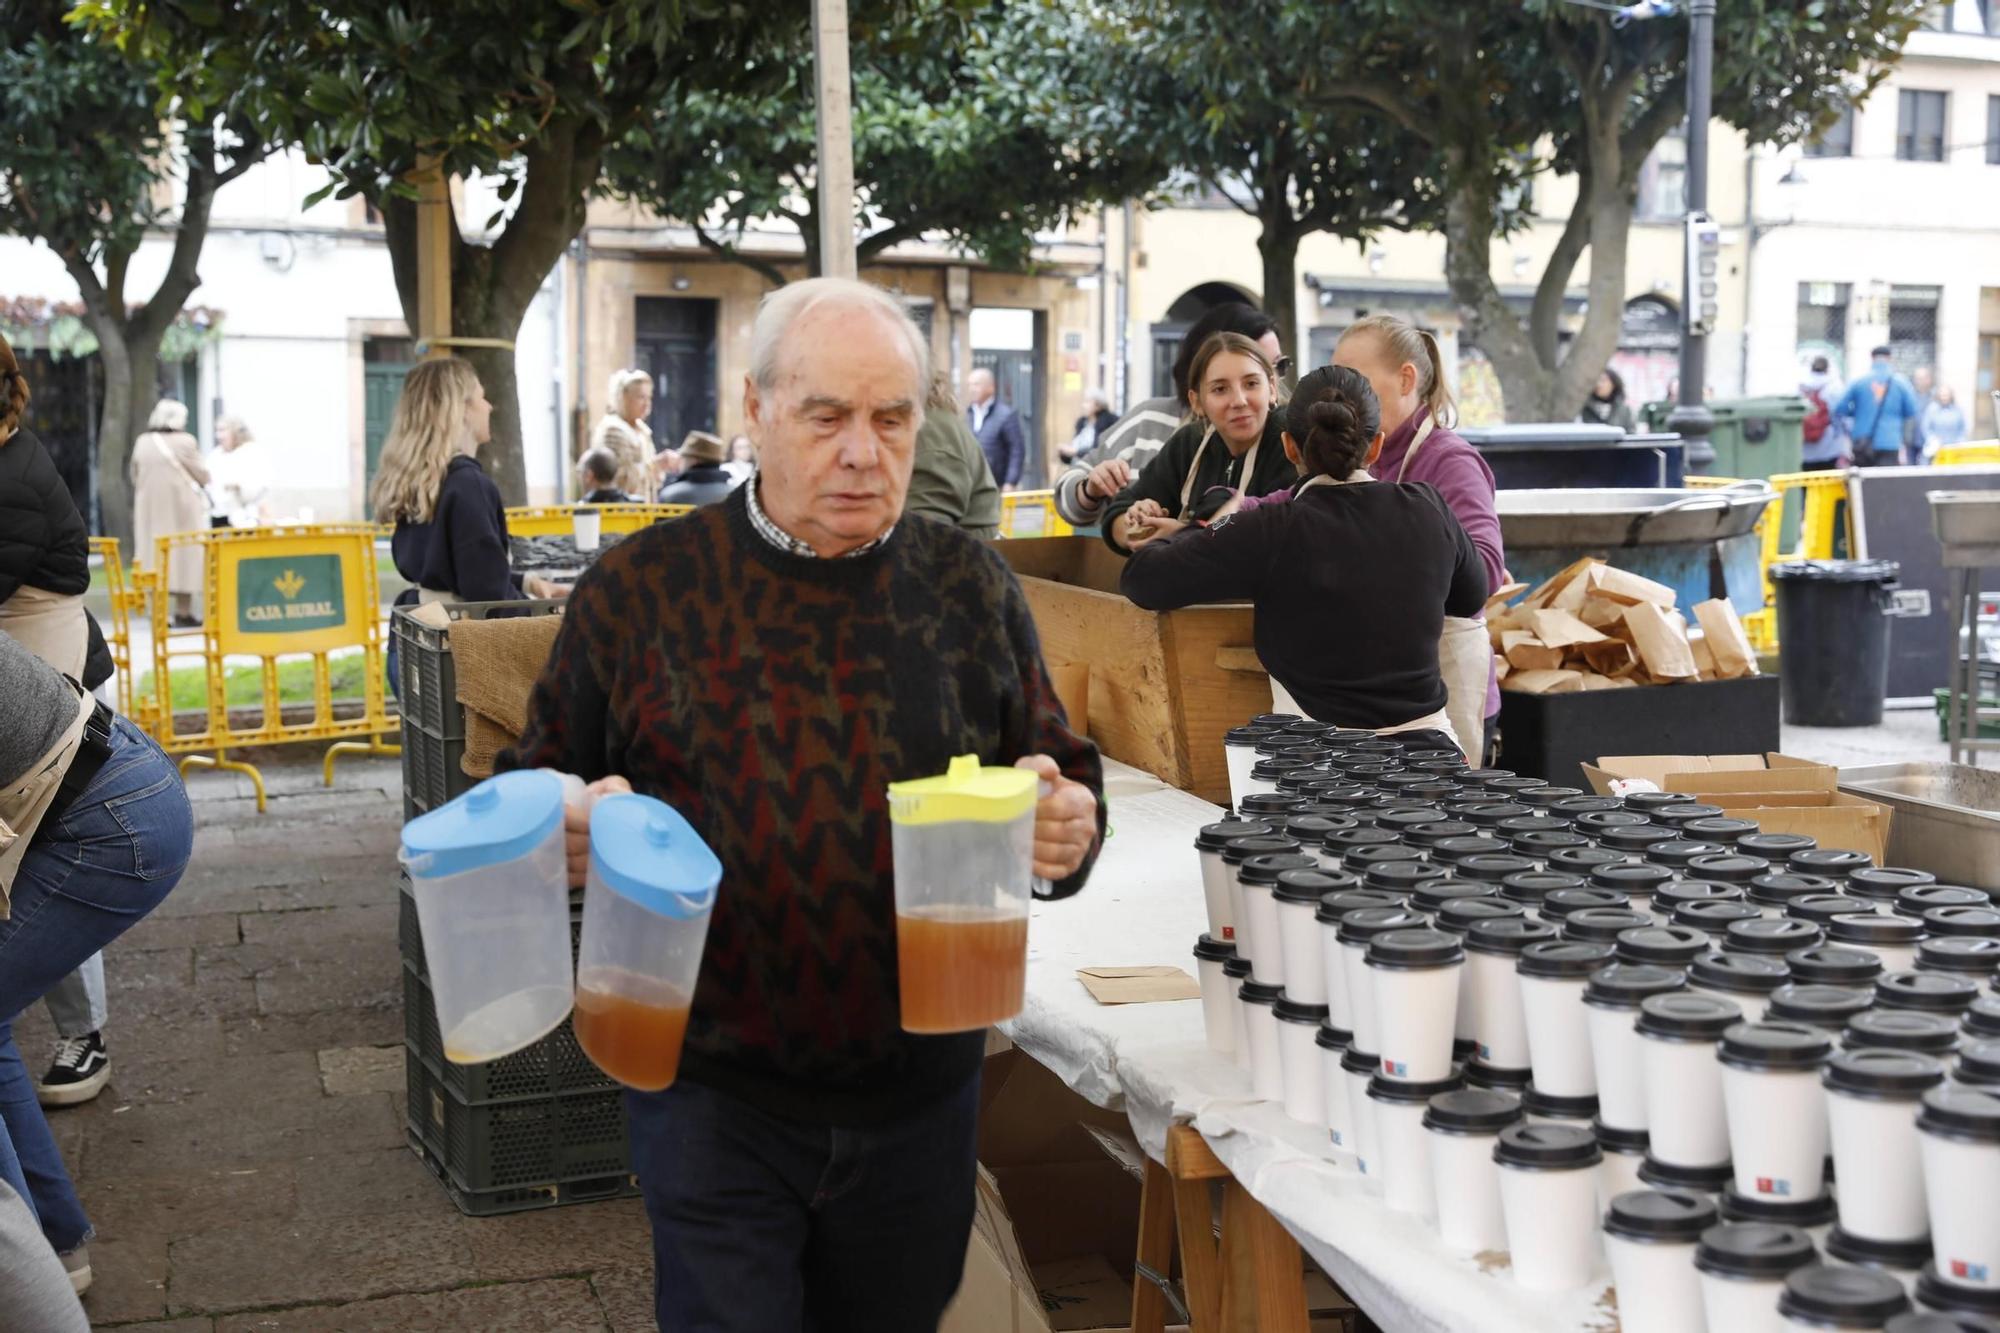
column 771, row 699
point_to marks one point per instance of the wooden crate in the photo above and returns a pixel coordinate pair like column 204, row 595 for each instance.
column 1164, row 687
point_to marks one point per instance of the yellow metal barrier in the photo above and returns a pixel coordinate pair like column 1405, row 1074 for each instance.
column 1979, row 451
column 271, row 592
column 557, row 520
column 1032, row 514
column 125, row 599
column 1820, row 494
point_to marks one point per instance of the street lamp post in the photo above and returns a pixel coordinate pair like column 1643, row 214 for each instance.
column 1691, row 419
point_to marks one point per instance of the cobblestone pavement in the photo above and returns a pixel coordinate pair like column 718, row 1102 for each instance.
column 246, row 1166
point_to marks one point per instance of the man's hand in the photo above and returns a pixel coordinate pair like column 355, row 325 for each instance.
column 1107, row 479
column 1065, row 820
column 576, row 827
column 547, row 590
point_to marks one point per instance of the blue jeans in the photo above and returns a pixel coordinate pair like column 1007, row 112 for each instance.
column 767, row 1225
column 91, row 873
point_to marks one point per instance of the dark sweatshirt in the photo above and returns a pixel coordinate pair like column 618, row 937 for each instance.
column 1161, row 479
column 463, row 549
column 1352, row 584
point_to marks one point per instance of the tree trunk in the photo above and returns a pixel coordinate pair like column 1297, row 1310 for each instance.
column 1489, row 323
column 1278, row 247
column 115, row 432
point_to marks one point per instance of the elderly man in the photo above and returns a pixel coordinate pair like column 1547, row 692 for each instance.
column 768, row 665
column 998, row 429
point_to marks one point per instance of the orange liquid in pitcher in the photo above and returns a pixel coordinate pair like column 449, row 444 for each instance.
column 636, row 1042
column 962, row 968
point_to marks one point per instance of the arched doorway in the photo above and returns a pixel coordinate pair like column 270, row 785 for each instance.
column 1649, row 348
column 1188, row 307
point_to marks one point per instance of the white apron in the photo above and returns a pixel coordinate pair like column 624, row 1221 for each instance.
column 1465, row 654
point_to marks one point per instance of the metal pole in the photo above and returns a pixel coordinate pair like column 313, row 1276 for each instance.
column 836, row 140
column 1692, row 420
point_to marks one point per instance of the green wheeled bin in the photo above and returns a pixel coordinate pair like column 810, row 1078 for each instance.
column 1756, row 438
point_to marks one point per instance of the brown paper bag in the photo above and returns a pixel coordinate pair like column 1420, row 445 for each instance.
column 1529, row 653
column 1545, row 682
column 1704, row 660
column 1561, row 629
column 1727, row 639
column 1607, row 657
column 1662, row 645
column 1541, row 596
column 1503, row 595
column 1621, row 585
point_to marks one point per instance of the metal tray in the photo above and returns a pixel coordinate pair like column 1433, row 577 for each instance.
column 1947, row 817
column 1614, row 517
column 1967, row 524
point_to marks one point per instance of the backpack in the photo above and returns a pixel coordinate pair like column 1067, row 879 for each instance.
column 1818, row 417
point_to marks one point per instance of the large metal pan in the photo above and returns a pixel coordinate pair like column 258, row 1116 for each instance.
column 1947, row 817
column 1618, row 518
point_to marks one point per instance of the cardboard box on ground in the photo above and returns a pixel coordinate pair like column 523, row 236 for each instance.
column 1593, row 627
column 1056, row 1215
column 1782, row 793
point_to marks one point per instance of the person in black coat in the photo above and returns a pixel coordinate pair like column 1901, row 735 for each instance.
column 599, row 470
column 998, row 429
column 703, row 479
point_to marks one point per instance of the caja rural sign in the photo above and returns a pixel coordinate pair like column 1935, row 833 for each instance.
column 302, row 594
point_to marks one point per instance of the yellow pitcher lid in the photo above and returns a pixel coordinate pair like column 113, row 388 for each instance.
column 967, row 793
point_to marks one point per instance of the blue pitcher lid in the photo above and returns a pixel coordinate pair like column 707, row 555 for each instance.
column 646, row 852
column 502, row 819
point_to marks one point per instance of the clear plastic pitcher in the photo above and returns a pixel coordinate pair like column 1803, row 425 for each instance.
column 646, row 905
column 964, row 848
column 487, row 871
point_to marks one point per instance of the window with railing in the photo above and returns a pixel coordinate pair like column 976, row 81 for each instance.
column 1836, row 140
column 1920, row 125
column 1663, row 182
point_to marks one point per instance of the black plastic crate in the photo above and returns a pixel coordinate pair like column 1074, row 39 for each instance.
column 426, row 681
column 521, row 1198
column 1553, row 735
column 553, row 1066
column 410, row 930
column 432, row 773
column 534, row 1143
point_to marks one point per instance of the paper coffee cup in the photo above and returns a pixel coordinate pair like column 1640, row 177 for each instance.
column 1978, row 1066
column 1493, row 952
column 1239, row 752
column 1357, row 929
column 1775, row 891
column 1460, row 1131
column 1902, row 1260
column 1332, row 1043
column 1834, row 965
column 1557, row 907
column 1663, row 946
column 1974, row 957
column 1776, row 936
column 1730, row 867
column 1531, row 887
column 1832, row 862
column 1298, row 934
column 1964, row 1309
column 1684, row 1108
column 1552, row 977
column 1218, row 999
column 1267, row 1071
column 1776, row 848
column 1714, row 917
column 1359, row 1067
column 1333, row 959
column 1650, row 1238
column 1399, row 1132
column 1548, row 1196
column 1635, row 881
column 1885, row 884
column 1919, row 900
column 1893, row 939
column 585, row 526
column 1744, row 979
column 1611, row 1002
column 1974, row 922
column 1218, row 876
column 1958, row 1138
column 1926, row 992
column 1776, row 1108
column 1817, row 1004
column 1299, row 1059
column 1237, row 970
column 1935, row 1035
column 1742, row 1267
column 1258, row 876
column 1826, row 1296
column 1872, row 1100
column 1415, row 975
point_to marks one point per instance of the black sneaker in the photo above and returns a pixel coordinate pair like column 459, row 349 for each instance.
column 77, row 1073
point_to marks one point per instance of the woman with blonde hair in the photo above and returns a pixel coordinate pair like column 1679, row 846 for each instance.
column 239, row 476
column 451, row 527
column 170, row 495
column 624, row 432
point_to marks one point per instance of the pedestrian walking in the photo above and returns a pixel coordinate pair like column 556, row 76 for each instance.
column 1944, row 423
column 625, row 431
column 170, row 495
column 1824, row 435
column 1606, row 405
column 998, row 429
column 1874, row 410
column 239, row 477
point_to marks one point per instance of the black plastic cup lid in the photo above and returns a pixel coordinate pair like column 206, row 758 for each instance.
column 1549, row 1106
column 1238, row 850
column 1752, row 1249
column 1625, row 985
column 1508, row 935
column 1472, row 1111
column 1903, row 1030
column 1598, row 820
column 1437, row 831
column 1401, row 877
column 1719, row 828
column 1214, row 837
column 1539, row 1147
column 1540, row 824
column 1841, row 1296
column 1583, row 805
column 1677, row 853
column 1298, row 1011
column 1558, row 958
column 1666, row 946
column 1774, row 846
column 1310, row 886
column 1883, row 1074
column 1672, row 897
column 1311, row 830
column 1629, row 879
column 1680, row 816
column 1983, row 1018
column 1961, row 1113
column 1540, row 846
column 1333, row 906
column 1347, row 840
column 1932, row 992
column 1562, row 902
column 1739, row 973
column 1451, row 851
column 1921, row 898
column 1236, row 968
column 1822, row 908
column 1962, row 955
column 1482, row 776
column 1825, row 1006
column 1612, row 1139
column 1382, row 1088
column 1887, row 1257
column 1398, row 821
column 1212, row 950
column 1359, row 927
column 1290, row 760
column 1531, row 886
column 1331, row 1038
column 1347, row 798
column 1462, row 914
column 1604, row 924
column 1803, row 1213
column 1543, row 797
column 1687, row 1017
column 1775, row 1045
column 1968, row 1309
column 1834, row 965
column 1886, row 881
column 1878, row 928
column 1660, row 1216
column 1432, row 895
column 1492, row 867
column 1645, row 802
column 1639, row 839
column 1260, row 992
column 1487, row 814
column 1676, row 1176
column 1781, row 886
column 1255, row 730
column 1363, row 859
column 1833, row 862
column 1581, row 861
column 1772, row 935
column 1968, row 922
column 1358, row 1061
column 1728, row 868
column 1265, row 867
column 1414, row 949
column 1979, row 1063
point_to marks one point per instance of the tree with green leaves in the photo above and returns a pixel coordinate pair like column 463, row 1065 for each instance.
column 977, row 125
column 1554, row 85
column 525, row 90
column 90, row 164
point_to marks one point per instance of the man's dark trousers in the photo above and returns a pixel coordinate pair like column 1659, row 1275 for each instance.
column 763, row 1224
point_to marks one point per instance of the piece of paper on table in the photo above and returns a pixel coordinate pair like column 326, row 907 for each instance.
column 1138, row 985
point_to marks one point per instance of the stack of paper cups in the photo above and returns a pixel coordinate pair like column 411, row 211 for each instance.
column 1548, row 1195
column 1493, row 951
column 1332, row 1043
column 1415, row 974
column 1299, row 1059
column 1259, row 1005
column 1296, row 894
column 1461, row 1129
column 1234, row 853
column 1257, row 877
column 1650, row 1237
column 1684, row 1109
column 1743, row 1266
column 1399, row 1108
column 1776, row 1108
column 1624, row 1158
column 1959, row 1140
column 1333, row 959
column 1357, row 929
column 1458, row 917
column 1872, row 1101
column 1239, row 752
column 1611, row 1000
column 1217, row 879
column 1218, row 999
column 1552, row 978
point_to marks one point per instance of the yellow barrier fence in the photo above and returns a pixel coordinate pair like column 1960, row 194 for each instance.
column 1032, row 514
column 1979, row 451
column 1820, row 494
column 125, row 600
column 558, row 520
column 270, row 593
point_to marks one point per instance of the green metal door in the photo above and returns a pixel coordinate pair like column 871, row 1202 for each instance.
column 385, row 362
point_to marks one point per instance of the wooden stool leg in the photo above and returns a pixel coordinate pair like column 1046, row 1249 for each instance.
column 1155, row 1259
column 1201, row 1265
column 1263, row 1284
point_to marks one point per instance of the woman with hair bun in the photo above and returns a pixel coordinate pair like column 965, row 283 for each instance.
column 1352, row 579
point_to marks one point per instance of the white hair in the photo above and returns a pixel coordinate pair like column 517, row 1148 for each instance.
column 780, row 310
column 622, row 380
column 168, row 415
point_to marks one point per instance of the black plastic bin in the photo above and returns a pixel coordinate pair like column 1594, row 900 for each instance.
column 1833, row 639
